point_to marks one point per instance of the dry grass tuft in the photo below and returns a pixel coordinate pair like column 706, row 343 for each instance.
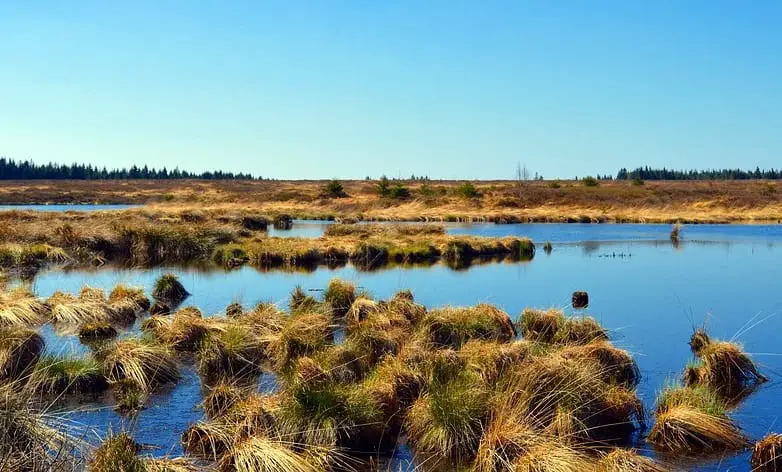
column 145, row 364
column 21, row 308
column 340, row 295
column 96, row 331
column 767, row 454
column 20, row 350
column 723, row 366
column 221, row 398
column 117, row 453
column 454, row 326
column 553, row 327
column 626, row 460
column 55, row 375
column 692, row 421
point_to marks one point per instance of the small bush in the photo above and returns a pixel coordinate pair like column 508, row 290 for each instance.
column 554, row 184
column 399, row 192
column 467, row 190
column 334, row 189
column 590, row 181
column 638, row 181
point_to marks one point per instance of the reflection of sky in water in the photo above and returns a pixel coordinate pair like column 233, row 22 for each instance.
column 649, row 294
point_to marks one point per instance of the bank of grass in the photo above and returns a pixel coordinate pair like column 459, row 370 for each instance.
column 500, row 200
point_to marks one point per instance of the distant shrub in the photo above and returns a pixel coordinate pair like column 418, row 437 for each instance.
column 399, row 192
column 383, row 186
column 334, row 189
column 554, row 184
column 168, row 197
column 638, row 181
column 426, row 190
column 467, row 190
column 590, row 181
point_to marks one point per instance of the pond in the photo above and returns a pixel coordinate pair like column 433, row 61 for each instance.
column 649, row 294
column 62, row 208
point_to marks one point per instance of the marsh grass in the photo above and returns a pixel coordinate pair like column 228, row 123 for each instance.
column 553, row 327
column 692, row 421
column 767, row 454
column 143, row 363
column 454, row 326
column 230, row 353
column 34, row 439
column 723, row 366
column 448, row 419
column 20, row 307
column 340, row 295
column 168, row 288
column 20, row 350
column 117, row 453
column 57, row 375
column 96, row 331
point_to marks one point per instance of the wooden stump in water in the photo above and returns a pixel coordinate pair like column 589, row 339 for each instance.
column 580, row 299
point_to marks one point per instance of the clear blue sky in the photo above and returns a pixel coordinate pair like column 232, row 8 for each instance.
column 450, row 89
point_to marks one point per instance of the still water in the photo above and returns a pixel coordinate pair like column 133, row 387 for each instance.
column 647, row 292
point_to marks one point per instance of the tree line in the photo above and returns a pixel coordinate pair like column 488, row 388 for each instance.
column 27, row 170
column 647, row 173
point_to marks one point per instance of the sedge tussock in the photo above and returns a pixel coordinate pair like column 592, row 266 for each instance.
column 767, row 454
column 96, row 331
column 143, row 363
column 553, row 327
column 616, row 365
column 340, row 295
column 454, row 326
column 692, row 421
column 448, row 419
column 20, row 350
column 168, row 288
column 125, row 292
column 723, row 366
column 230, row 353
column 221, row 398
column 626, row 460
column 56, row 375
column 21, row 308
column 117, row 453
column 261, row 454
column 553, row 457
column 208, row 440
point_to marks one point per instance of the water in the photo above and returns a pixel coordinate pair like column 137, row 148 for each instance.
column 573, row 232
column 61, row 208
column 648, row 293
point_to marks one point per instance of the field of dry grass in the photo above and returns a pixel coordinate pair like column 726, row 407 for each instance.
column 661, row 201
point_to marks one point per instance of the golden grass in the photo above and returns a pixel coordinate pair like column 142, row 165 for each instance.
column 767, row 454
column 142, row 363
column 626, row 460
column 454, row 326
column 20, row 350
column 21, row 308
column 722, row 365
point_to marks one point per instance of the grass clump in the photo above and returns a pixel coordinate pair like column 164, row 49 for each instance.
column 302, row 335
column 693, row 421
column 626, row 460
column 230, row 353
column 255, row 223
column 21, row 308
column 553, row 327
column 221, row 398
column 123, row 293
column 454, row 326
column 143, row 363
column 168, row 288
column 722, row 365
column 617, row 366
column 20, row 350
column 96, row 331
column 90, row 306
column 340, row 295
column 448, row 419
column 117, row 453
column 767, row 454
column 56, row 375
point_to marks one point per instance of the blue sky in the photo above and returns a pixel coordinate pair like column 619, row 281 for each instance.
column 449, row 89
